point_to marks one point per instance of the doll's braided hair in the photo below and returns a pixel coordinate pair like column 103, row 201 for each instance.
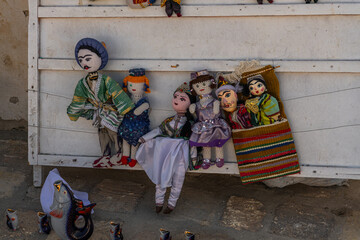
column 259, row 78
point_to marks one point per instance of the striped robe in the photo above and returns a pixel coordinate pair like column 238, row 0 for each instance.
column 106, row 105
column 268, row 107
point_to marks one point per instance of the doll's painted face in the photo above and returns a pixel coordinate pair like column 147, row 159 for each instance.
column 228, row 100
column 136, row 88
column 256, row 88
column 180, row 102
column 89, row 60
column 202, row 88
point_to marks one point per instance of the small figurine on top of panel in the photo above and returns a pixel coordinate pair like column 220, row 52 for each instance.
column 261, row 1
column 210, row 131
column 140, row 3
column 172, row 6
column 99, row 98
column 136, row 123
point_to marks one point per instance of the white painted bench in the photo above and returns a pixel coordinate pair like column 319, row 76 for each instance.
column 315, row 45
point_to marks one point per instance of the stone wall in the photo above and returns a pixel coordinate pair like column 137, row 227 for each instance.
column 13, row 63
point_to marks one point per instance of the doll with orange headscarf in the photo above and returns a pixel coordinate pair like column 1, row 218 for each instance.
column 136, row 122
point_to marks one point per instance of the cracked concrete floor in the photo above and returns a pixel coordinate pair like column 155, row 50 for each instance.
column 212, row 206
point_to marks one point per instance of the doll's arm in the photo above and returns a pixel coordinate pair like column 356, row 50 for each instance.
column 192, row 108
column 150, row 135
column 216, row 107
column 140, row 109
column 120, row 98
column 77, row 105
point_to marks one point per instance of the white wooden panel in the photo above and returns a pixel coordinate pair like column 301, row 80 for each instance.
column 79, row 161
column 329, row 147
column 289, row 38
column 305, row 114
column 65, row 142
column 183, row 2
column 228, row 168
column 324, row 111
column 300, row 85
column 33, row 83
column 212, row 65
column 203, row 11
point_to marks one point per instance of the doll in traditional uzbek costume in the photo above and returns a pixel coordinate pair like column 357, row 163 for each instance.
column 99, row 98
column 172, row 6
column 263, row 108
column 136, row 122
column 210, row 131
column 164, row 152
column 238, row 116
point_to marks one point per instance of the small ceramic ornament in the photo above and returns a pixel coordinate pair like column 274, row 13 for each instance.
column 12, row 220
column 263, row 108
column 164, row 152
column 210, row 131
column 189, row 235
column 164, row 234
column 115, row 231
column 99, row 98
column 172, row 6
column 140, row 3
column 43, row 221
column 136, row 123
column 65, row 210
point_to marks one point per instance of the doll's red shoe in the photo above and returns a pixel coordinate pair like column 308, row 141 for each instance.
column 124, row 160
column 219, row 162
column 132, row 163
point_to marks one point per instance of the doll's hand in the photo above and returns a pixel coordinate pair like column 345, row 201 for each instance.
column 192, row 108
column 216, row 108
column 140, row 109
column 141, row 140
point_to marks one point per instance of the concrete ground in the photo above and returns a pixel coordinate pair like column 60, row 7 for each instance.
column 212, row 206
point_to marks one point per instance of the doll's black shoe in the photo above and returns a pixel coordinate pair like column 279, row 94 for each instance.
column 158, row 209
column 168, row 210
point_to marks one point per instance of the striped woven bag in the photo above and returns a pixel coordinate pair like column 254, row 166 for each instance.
column 267, row 151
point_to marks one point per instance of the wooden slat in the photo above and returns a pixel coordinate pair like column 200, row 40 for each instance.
column 204, row 11
column 228, row 168
column 306, row 66
column 33, row 82
column 86, row 162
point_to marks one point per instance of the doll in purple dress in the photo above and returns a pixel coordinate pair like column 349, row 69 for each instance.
column 210, row 131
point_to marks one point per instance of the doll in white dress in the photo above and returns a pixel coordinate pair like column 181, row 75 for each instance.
column 164, row 152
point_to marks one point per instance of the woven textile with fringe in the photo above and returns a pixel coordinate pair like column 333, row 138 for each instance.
column 267, row 151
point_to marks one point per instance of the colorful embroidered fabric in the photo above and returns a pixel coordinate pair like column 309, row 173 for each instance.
column 109, row 102
column 268, row 106
column 265, row 152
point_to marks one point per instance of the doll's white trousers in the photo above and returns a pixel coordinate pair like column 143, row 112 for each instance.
column 176, row 186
